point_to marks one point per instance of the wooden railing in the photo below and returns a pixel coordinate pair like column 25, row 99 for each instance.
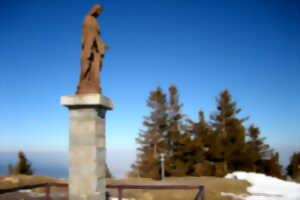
column 119, row 187
column 27, row 187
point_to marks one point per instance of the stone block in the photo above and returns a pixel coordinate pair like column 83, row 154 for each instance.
column 87, row 145
column 91, row 124
column 87, row 140
column 86, row 100
column 96, row 196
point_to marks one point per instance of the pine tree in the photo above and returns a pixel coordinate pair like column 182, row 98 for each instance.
column 199, row 145
column 184, row 155
column 257, row 150
column 230, row 131
column 276, row 167
column 151, row 139
column 293, row 169
column 271, row 166
column 260, row 157
column 174, row 142
column 23, row 166
column 200, row 148
column 201, row 132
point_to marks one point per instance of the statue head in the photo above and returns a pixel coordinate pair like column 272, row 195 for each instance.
column 96, row 10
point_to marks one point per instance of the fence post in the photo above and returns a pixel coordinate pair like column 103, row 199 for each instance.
column 47, row 192
column 203, row 192
column 120, row 193
column 107, row 195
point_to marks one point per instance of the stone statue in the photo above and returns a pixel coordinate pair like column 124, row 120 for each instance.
column 92, row 53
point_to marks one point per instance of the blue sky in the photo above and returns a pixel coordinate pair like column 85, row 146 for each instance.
column 251, row 48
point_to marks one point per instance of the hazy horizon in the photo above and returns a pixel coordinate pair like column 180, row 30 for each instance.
column 55, row 163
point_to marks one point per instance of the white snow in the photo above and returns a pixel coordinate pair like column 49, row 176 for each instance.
column 236, row 196
column 38, row 195
column 25, row 191
column 265, row 187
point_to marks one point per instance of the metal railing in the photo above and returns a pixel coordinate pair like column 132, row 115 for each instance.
column 119, row 187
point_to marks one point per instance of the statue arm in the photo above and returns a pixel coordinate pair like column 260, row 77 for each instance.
column 100, row 42
column 101, row 45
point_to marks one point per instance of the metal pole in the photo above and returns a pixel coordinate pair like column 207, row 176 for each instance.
column 162, row 159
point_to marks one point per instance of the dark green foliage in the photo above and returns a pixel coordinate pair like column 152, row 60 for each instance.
column 276, row 168
column 257, row 151
column 230, row 132
column 151, row 139
column 23, row 166
column 205, row 168
column 271, row 166
column 200, row 148
column 174, row 141
column 179, row 164
column 293, row 169
column 261, row 158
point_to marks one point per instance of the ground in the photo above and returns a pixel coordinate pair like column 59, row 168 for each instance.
column 213, row 188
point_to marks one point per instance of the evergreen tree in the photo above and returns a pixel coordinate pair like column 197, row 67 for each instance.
column 199, row 145
column 271, row 166
column 257, row 150
column 174, row 142
column 230, row 131
column 201, row 132
column 200, row 148
column 23, row 166
column 151, row 139
column 293, row 169
column 261, row 158
column 276, row 167
column 182, row 159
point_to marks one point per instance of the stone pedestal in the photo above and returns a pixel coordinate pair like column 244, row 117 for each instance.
column 87, row 145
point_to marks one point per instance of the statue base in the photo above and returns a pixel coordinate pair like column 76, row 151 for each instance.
column 87, row 145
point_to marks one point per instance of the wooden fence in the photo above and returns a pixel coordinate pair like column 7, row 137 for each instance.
column 119, row 187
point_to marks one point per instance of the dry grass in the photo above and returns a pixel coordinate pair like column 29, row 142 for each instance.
column 297, row 179
column 21, row 180
column 213, row 186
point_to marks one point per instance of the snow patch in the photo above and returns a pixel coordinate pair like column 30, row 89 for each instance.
column 25, row 191
column 265, row 187
column 236, row 196
column 39, row 195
